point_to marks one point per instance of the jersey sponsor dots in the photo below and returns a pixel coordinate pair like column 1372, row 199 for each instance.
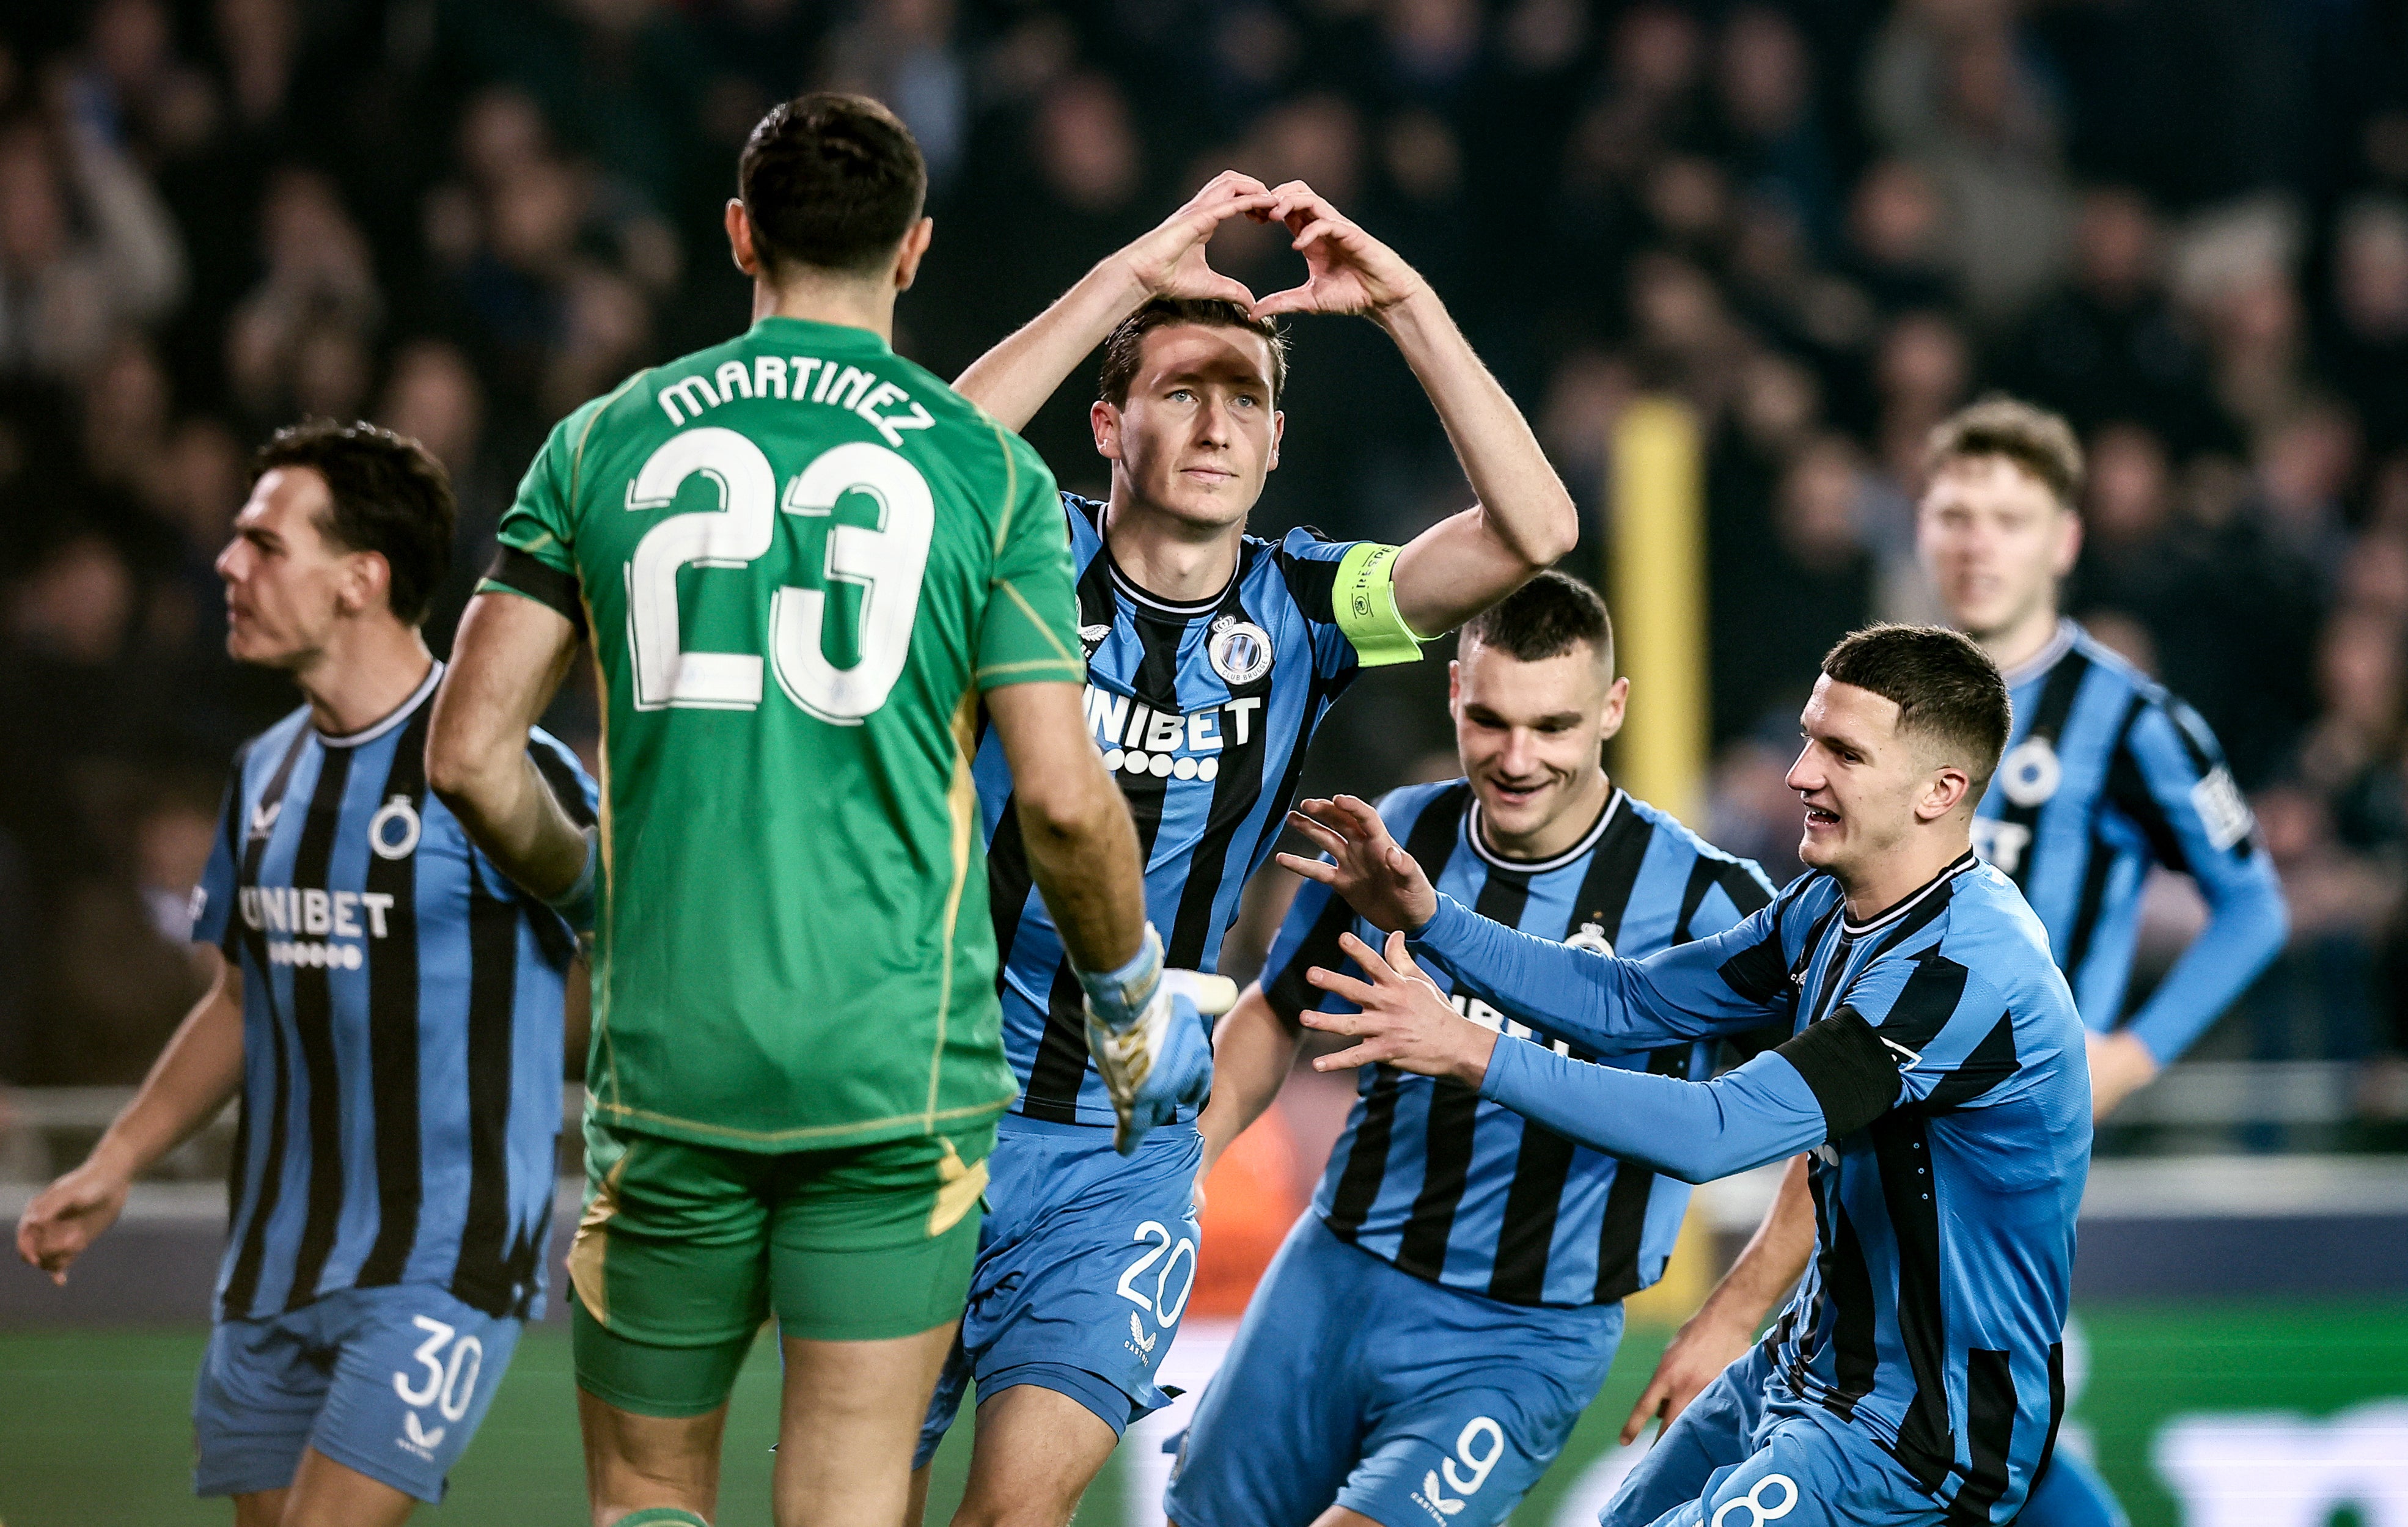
column 802, row 558
column 1202, row 711
column 1460, row 1190
column 2105, row 774
column 401, row 1026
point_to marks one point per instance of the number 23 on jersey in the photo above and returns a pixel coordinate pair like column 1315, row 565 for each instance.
column 887, row 563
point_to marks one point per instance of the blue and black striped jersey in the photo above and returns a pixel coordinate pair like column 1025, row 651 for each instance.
column 1203, row 712
column 1468, row 1193
column 401, row 1025
column 2106, row 774
column 1937, row 1077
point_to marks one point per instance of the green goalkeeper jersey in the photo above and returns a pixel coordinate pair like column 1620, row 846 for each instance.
column 801, row 558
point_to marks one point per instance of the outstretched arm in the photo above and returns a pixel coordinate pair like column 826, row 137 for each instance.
column 1832, row 1079
column 1253, row 1051
column 1524, row 519
column 1013, row 380
column 1603, row 1005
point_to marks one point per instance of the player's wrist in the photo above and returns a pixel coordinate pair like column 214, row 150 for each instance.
column 1120, row 997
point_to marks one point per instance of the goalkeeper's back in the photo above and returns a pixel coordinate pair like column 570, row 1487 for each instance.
column 801, row 559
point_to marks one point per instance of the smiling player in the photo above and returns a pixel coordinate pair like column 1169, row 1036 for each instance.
column 2105, row 775
column 1363, row 1386
column 1212, row 655
column 1935, row 1076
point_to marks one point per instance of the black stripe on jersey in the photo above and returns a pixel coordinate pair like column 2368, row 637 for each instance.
column 1061, row 1049
column 1926, row 1445
column 1288, row 992
column 1992, row 1061
column 1918, row 917
column 1312, row 582
column 1625, row 1202
column 1061, row 1065
column 1847, row 1281
column 1851, row 1074
column 481, row 1275
column 1989, row 1433
column 242, row 1284
column 2056, row 703
column 1235, row 789
column 1431, row 841
column 1702, row 879
column 1366, row 1159
column 1544, row 1160
column 1926, row 1003
column 1008, row 883
column 313, row 1024
column 2055, row 1407
column 393, row 1027
column 1453, row 1112
column 1759, row 971
column 230, row 942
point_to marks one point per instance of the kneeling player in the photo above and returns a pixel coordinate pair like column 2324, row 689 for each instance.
column 390, row 1009
column 1447, row 1230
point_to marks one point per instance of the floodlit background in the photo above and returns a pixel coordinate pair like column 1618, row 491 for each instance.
column 1818, row 224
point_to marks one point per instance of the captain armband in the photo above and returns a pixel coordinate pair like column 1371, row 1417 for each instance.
column 1364, row 599
column 530, row 577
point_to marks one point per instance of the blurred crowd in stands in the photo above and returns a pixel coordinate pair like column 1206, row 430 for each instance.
column 1824, row 223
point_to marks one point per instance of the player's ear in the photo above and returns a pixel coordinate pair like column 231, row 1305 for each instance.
column 1105, row 420
column 366, row 584
column 740, row 237
column 2068, row 545
column 1617, row 706
column 914, row 250
column 1943, row 790
column 1279, row 427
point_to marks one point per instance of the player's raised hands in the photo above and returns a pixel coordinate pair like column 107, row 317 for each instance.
column 68, row 1215
column 1346, row 269
column 1169, row 261
column 1401, row 1019
column 1366, row 866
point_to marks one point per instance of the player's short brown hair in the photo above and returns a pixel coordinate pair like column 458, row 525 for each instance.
column 2040, row 442
column 832, row 182
column 1545, row 618
column 390, row 496
column 1123, row 348
column 1945, row 687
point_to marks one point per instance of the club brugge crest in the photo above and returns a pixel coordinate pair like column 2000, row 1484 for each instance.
column 1241, row 651
column 2030, row 773
column 1592, row 939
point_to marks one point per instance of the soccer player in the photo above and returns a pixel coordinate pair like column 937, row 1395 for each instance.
column 2105, row 775
column 389, row 1008
column 1936, row 1076
column 1212, row 655
column 805, row 563
column 1448, row 1230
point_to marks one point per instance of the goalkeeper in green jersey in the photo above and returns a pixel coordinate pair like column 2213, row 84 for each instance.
column 811, row 575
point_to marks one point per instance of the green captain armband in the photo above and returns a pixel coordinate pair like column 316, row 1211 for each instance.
column 1364, row 601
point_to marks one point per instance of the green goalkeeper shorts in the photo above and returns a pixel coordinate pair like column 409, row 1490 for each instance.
column 684, row 1250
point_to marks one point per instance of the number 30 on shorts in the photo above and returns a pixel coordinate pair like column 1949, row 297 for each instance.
column 448, row 1386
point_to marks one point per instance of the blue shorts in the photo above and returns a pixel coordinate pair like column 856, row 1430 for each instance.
column 391, row 1381
column 1734, row 1460
column 1415, row 1405
column 1084, row 1265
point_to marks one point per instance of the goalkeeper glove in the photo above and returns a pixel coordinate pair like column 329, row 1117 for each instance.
column 1147, row 1032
